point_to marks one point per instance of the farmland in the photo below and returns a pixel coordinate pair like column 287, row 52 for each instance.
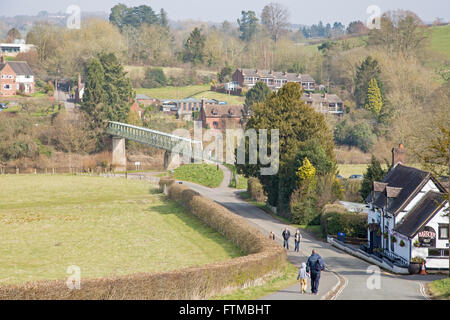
column 107, row 227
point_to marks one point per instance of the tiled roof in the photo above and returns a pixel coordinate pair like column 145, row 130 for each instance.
column 21, row 68
column 422, row 212
column 219, row 111
column 317, row 98
column 289, row 76
column 409, row 179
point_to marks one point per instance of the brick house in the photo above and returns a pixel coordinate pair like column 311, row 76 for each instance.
column 325, row 103
column 185, row 107
column 273, row 79
column 222, row 116
column 15, row 76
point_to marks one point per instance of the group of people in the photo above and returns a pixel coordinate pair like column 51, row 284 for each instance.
column 311, row 269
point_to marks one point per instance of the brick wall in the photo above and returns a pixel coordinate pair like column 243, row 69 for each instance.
column 7, row 72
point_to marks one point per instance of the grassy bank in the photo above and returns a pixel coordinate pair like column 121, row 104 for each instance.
column 107, row 227
column 204, row 174
column 440, row 289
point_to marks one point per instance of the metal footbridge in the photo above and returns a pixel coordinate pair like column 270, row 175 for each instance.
column 157, row 139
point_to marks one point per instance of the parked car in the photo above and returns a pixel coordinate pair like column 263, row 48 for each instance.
column 340, row 177
column 356, row 176
column 3, row 106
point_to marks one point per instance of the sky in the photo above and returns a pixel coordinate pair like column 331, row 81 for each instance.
column 301, row 11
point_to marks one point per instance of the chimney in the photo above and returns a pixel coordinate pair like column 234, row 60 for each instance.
column 2, row 59
column 398, row 155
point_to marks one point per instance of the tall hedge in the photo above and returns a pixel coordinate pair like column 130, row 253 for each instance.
column 336, row 220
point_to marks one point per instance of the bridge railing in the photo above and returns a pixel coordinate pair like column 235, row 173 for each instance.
column 157, row 139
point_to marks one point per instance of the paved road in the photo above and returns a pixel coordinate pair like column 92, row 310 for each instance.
column 347, row 274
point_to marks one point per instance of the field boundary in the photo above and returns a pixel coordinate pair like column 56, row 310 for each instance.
column 263, row 258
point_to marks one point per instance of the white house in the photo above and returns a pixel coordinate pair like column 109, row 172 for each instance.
column 408, row 217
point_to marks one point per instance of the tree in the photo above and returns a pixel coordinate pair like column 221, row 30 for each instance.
column 247, row 25
column 225, row 74
column 275, row 17
column 154, row 78
column 357, row 28
column 401, row 32
column 122, row 16
column 306, row 173
column 12, row 35
column 297, row 123
column 194, row 48
column 368, row 70
column 373, row 173
column 163, row 20
column 374, row 100
column 436, row 155
column 94, row 92
column 258, row 93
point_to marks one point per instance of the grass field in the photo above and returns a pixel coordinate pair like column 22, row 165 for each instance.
column 199, row 91
column 107, row 227
column 440, row 40
column 440, row 289
column 204, row 174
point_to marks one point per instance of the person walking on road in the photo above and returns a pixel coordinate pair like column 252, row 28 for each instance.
column 286, row 235
column 297, row 239
column 314, row 266
column 302, row 275
column 272, row 236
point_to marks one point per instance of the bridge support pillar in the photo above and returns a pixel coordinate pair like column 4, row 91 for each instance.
column 119, row 156
column 171, row 160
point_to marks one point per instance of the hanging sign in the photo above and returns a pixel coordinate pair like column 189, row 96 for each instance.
column 427, row 237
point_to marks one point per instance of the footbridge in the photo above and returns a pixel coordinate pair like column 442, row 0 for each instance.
column 175, row 146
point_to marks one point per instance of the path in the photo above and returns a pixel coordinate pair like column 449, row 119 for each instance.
column 350, row 274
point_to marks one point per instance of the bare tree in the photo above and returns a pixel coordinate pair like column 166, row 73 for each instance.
column 275, row 17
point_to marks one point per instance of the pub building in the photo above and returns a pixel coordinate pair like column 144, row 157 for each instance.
column 408, row 217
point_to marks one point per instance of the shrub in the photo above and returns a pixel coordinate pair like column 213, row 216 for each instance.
column 256, row 190
column 303, row 208
column 154, row 78
column 338, row 220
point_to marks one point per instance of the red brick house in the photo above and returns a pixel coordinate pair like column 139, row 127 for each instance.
column 222, row 116
column 15, row 76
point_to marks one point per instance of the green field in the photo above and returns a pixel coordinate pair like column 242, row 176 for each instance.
column 107, row 227
column 204, row 174
column 164, row 93
column 199, row 91
column 440, row 40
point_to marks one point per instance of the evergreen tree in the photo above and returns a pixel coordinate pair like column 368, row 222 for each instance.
column 374, row 101
column 368, row 70
column 297, row 123
column 94, row 91
column 374, row 173
column 247, row 25
column 194, row 48
column 163, row 20
column 258, row 93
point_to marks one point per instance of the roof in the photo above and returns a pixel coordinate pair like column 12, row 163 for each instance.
column 219, row 111
column 421, row 214
column 21, row 68
column 289, row 76
column 318, row 98
column 142, row 97
column 409, row 179
column 192, row 100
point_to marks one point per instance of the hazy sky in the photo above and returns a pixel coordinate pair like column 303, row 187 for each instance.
column 301, row 11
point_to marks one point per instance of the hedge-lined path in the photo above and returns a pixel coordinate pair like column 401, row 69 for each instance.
column 347, row 276
column 352, row 271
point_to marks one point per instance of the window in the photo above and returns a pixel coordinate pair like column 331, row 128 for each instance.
column 443, row 231
column 438, row 253
column 7, row 87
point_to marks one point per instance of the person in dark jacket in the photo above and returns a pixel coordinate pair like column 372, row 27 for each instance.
column 286, row 235
column 314, row 266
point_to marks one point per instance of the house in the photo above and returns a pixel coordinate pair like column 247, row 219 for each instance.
column 185, row 107
column 273, row 79
column 15, row 76
column 146, row 100
column 135, row 107
column 13, row 49
column 325, row 103
column 408, row 216
column 222, row 116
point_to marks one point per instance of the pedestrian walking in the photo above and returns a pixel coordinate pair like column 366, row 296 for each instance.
column 314, row 266
column 297, row 240
column 272, row 235
column 286, row 235
column 302, row 276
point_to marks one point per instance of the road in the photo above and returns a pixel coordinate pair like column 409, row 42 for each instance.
column 346, row 277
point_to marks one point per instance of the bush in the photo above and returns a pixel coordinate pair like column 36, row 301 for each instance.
column 335, row 219
column 303, row 209
column 358, row 135
column 154, row 78
column 256, row 190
